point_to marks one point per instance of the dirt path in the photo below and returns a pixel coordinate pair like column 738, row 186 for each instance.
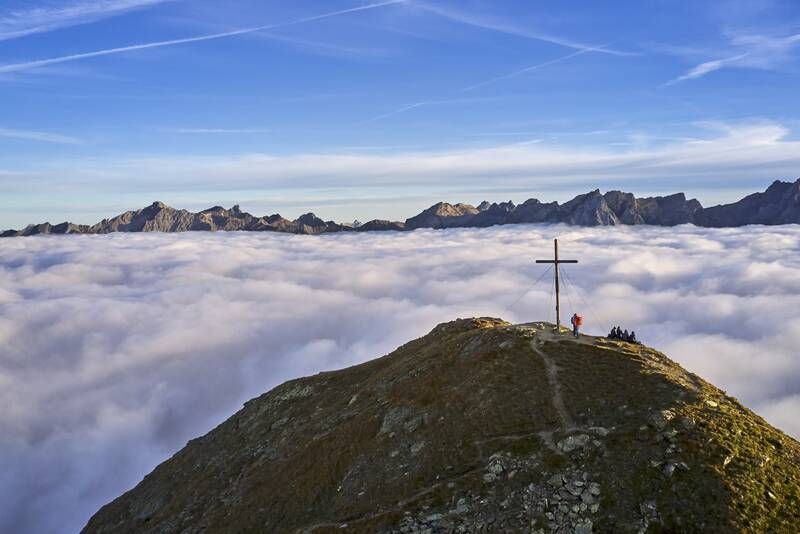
column 555, row 386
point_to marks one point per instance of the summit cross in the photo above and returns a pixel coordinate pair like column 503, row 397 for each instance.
column 557, row 262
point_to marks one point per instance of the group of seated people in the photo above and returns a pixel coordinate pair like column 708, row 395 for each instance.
column 623, row 335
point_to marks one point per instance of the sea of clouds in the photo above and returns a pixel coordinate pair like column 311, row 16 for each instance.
column 115, row 350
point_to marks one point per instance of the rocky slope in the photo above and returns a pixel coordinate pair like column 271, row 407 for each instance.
column 480, row 426
column 779, row 204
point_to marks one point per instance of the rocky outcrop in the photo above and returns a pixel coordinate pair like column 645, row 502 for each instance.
column 379, row 225
column 311, row 224
column 779, row 204
column 533, row 211
column 480, row 426
column 670, row 210
column 659, row 211
column 218, row 218
column 492, row 214
column 443, row 215
column 590, row 209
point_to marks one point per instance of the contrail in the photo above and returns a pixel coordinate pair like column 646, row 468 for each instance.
column 17, row 67
column 419, row 104
column 531, row 68
column 486, row 82
column 396, row 112
column 478, row 22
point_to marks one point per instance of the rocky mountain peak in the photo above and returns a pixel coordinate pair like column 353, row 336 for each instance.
column 780, row 185
column 453, row 210
column 214, row 209
column 442, row 215
column 310, row 219
column 480, row 426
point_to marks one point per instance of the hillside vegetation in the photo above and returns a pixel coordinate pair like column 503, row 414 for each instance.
column 481, row 426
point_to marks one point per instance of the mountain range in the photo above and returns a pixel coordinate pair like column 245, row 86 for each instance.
column 779, row 204
column 480, row 426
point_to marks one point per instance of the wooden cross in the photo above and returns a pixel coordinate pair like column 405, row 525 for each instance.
column 557, row 262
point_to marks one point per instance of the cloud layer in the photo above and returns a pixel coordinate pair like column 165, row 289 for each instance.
column 736, row 151
column 115, row 350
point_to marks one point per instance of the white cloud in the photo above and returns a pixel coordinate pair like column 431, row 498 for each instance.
column 707, row 67
column 749, row 51
column 45, row 137
column 115, row 350
column 48, row 17
column 756, row 149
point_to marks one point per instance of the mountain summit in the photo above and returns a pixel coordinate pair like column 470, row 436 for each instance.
column 480, row 426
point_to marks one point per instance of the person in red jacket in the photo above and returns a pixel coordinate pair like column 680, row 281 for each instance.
column 577, row 322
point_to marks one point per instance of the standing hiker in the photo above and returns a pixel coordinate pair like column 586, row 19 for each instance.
column 577, row 322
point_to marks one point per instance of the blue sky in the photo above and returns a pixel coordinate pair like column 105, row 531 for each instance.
column 358, row 109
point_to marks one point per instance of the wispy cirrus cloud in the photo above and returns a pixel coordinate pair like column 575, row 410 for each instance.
column 737, row 151
column 48, row 17
column 746, row 51
column 219, row 130
column 45, row 137
column 28, row 65
column 705, row 68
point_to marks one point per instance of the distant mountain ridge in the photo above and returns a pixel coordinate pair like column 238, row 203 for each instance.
column 158, row 217
column 779, row 204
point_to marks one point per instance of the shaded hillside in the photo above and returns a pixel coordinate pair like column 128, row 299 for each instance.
column 480, row 426
column 779, row 204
